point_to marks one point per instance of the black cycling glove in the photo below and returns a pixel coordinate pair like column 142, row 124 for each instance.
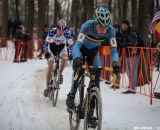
column 116, row 68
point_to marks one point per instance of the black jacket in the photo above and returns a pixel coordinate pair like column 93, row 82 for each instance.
column 126, row 39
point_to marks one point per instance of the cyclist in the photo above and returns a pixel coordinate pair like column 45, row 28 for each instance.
column 56, row 44
column 90, row 38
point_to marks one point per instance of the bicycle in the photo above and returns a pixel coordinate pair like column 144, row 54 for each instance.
column 54, row 85
column 82, row 103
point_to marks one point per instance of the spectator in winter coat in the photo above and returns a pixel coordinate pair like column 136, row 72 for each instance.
column 26, row 42
column 18, row 43
column 158, row 56
column 128, row 38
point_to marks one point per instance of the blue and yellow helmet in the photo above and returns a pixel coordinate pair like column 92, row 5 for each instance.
column 102, row 16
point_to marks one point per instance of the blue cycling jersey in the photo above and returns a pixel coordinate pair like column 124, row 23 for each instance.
column 53, row 38
column 89, row 37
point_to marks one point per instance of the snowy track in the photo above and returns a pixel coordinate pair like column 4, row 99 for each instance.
column 23, row 107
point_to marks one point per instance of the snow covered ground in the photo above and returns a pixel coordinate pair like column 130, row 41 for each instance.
column 23, row 107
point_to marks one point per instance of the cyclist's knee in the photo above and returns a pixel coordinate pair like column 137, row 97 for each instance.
column 50, row 62
column 77, row 63
column 64, row 60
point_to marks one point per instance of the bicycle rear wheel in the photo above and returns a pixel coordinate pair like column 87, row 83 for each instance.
column 96, row 122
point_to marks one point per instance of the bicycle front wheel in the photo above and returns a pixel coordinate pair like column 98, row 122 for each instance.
column 93, row 122
column 55, row 92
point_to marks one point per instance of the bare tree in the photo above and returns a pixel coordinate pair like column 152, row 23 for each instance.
column 41, row 17
column 125, row 7
column 134, row 4
column 17, row 9
column 57, row 10
column 115, row 12
column 157, row 3
column 47, row 12
column 29, row 15
column 4, row 17
column 88, row 9
column 75, row 19
column 120, row 9
column 84, row 9
column 143, row 18
column 68, row 11
column 152, row 2
column 110, row 5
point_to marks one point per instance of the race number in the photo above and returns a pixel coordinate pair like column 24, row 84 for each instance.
column 113, row 42
column 81, row 37
column 49, row 39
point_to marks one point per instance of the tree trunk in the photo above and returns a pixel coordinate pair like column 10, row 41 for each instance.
column 143, row 24
column 57, row 10
column 134, row 13
column 41, row 18
column 157, row 4
column 73, row 10
column 143, row 18
column 120, row 10
column 151, row 9
column 17, row 10
column 84, row 8
column 68, row 12
column 47, row 12
column 4, row 17
column 125, row 5
column 110, row 5
column 115, row 12
column 29, row 15
column 75, row 19
column 90, row 9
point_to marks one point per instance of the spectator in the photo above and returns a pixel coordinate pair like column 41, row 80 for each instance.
column 18, row 44
column 26, row 42
column 16, row 24
column 9, row 28
column 128, row 38
column 158, row 56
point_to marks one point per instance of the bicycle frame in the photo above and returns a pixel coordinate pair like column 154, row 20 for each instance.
column 82, row 107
